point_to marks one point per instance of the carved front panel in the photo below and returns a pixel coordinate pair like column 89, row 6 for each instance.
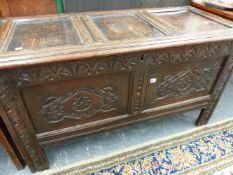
column 73, row 103
column 178, row 82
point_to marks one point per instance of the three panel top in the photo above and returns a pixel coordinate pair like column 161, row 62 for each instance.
column 63, row 37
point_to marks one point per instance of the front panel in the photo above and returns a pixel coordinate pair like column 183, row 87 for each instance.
column 177, row 82
column 65, row 104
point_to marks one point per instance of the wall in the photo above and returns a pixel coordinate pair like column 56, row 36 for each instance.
column 95, row 5
column 162, row 3
column 99, row 5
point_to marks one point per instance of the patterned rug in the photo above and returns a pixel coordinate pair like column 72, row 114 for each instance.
column 203, row 150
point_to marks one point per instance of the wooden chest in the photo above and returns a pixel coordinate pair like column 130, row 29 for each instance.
column 66, row 76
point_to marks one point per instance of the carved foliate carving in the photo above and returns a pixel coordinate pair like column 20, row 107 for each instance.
column 183, row 83
column 80, row 104
column 191, row 53
column 65, row 71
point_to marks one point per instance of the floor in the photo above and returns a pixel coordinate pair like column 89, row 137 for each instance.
column 107, row 142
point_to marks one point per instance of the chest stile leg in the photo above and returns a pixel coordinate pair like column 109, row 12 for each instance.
column 221, row 83
column 12, row 115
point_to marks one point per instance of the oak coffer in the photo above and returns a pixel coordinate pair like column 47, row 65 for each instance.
column 69, row 75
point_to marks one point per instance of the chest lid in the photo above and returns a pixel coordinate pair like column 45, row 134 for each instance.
column 73, row 36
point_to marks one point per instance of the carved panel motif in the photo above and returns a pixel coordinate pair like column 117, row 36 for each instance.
column 184, row 82
column 80, row 104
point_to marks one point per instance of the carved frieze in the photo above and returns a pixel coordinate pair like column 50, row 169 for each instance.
column 71, row 70
column 190, row 53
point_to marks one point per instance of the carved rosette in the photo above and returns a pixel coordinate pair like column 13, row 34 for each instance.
column 9, row 103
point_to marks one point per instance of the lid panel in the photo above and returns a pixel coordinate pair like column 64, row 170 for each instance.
column 190, row 22
column 43, row 33
column 124, row 26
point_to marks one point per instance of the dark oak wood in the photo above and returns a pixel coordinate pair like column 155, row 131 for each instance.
column 70, row 75
column 9, row 146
